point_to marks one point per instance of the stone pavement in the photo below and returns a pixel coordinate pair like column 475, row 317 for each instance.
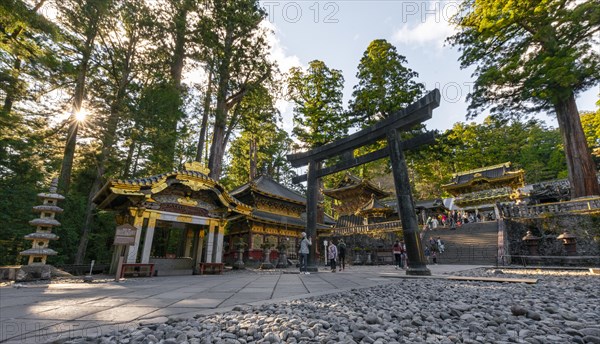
column 51, row 312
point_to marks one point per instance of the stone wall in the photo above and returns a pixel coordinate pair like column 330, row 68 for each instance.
column 585, row 227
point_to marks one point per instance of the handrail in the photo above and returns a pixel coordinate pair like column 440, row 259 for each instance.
column 589, row 205
column 390, row 226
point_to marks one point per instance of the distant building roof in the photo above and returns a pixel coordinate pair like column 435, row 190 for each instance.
column 352, row 184
column 489, row 177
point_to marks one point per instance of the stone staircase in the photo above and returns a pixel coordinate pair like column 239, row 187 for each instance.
column 472, row 243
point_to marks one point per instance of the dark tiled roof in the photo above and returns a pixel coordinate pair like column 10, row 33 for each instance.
column 490, row 172
column 349, row 221
column 266, row 185
column 350, row 182
column 430, row 204
column 374, row 204
column 282, row 219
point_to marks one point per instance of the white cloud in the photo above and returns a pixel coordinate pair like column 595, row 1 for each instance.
column 430, row 25
column 285, row 61
column 278, row 52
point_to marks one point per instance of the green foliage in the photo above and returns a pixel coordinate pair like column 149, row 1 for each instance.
column 384, row 84
column 530, row 55
column 317, row 95
column 591, row 128
column 156, row 117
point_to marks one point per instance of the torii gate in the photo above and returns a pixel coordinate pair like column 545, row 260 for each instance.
column 388, row 128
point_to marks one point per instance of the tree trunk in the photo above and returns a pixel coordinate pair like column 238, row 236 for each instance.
column 253, row 159
column 64, row 180
column 204, row 124
column 180, row 40
column 128, row 161
column 582, row 172
column 215, row 161
column 11, row 93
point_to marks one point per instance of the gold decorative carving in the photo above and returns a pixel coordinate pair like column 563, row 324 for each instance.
column 127, row 191
column 196, row 167
column 187, row 201
column 160, row 186
column 184, row 218
column 194, row 185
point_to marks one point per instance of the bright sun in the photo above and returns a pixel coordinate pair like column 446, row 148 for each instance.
column 81, row 115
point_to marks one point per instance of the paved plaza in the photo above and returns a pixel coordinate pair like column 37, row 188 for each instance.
column 39, row 313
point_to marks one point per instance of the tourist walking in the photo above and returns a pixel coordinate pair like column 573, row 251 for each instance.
column 304, row 251
column 440, row 245
column 341, row 246
column 333, row 255
column 397, row 250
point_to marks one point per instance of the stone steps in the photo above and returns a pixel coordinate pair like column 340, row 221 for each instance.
column 472, row 243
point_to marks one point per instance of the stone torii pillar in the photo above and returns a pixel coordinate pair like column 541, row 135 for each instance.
column 312, row 198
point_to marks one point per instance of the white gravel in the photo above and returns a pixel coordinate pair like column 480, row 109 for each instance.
column 563, row 307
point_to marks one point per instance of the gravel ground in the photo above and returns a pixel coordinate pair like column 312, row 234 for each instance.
column 563, row 307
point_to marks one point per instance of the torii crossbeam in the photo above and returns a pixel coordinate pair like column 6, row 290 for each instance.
column 389, row 129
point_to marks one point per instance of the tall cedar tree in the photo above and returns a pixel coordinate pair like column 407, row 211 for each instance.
column 534, row 55
column 317, row 96
column 81, row 20
column 237, row 46
column 385, row 85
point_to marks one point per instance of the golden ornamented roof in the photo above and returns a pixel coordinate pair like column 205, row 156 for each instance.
column 116, row 192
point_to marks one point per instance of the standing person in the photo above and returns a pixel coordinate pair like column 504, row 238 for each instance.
column 434, row 257
column 397, row 250
column 333, row 255
column 404, row 255
column 304, row 251
column 427, row 253
column 440, row 245
column 342, row 254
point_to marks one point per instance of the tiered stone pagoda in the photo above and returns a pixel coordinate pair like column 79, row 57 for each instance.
column 39, row 251
column 482, row 188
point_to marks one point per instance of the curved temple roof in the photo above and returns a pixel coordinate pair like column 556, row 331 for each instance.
column 117, row 192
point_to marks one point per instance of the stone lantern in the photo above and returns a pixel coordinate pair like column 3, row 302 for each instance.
column 570, row 242
column 532, row 242
column 282, row 262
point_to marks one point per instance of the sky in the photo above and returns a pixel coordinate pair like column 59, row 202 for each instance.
column 338, row 32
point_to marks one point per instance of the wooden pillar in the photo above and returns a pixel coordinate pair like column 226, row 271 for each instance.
column 210, row 242
column 132, row 251
column 406, row 209
column 312, row 197
column 149, row 238
column 196, row 250
column 189, row 242
column 219, row 243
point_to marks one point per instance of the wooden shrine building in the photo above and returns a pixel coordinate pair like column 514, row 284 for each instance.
column 179, row 217
column 278, row 217
column 357, row 202
column 482, row 188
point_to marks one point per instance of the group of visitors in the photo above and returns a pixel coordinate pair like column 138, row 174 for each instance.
column 456, row 218
column 336, row 254
column 434, row 247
